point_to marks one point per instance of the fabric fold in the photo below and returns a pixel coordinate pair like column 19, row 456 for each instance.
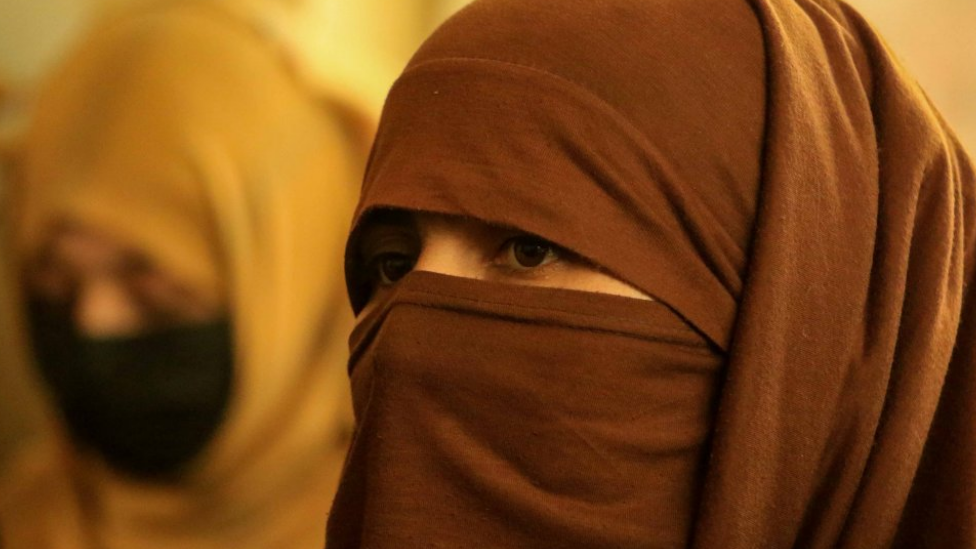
column 769, row 172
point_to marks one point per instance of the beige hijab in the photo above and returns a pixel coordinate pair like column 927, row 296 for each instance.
column 185, row 132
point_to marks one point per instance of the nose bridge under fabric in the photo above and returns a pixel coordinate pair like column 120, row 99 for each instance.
column 105, row 308
column 495, row 398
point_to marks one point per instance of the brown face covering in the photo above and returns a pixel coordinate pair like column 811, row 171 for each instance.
column 538, row 416
column 768, row 172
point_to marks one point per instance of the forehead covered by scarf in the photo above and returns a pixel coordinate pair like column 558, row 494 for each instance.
column 601, row 147
column 767, row 170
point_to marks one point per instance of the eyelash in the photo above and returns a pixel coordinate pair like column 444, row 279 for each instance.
column 374, row 268
column 507, row 255
column 504, row 261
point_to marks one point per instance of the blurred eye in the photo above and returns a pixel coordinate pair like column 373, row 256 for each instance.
column 529, row 252
column 385, row 269
column 50, row 279
column 388, row 249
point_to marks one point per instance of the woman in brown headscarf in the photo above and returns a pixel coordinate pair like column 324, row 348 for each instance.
column 178, row 218
column 789, row 227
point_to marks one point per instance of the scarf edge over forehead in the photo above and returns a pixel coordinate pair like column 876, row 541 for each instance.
column 849, row 378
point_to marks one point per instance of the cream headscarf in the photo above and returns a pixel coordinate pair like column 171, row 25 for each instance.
column 183, row 131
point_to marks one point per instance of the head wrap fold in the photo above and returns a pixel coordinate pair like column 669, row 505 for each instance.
column 767, row 170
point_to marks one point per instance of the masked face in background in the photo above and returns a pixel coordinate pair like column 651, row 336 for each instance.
column 212, row 180
column 178, row 224
column 140, row 362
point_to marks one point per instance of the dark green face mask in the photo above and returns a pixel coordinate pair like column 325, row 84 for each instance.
column 148, row 404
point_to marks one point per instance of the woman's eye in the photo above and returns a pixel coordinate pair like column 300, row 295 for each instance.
column 390, row 267
column 529, row 252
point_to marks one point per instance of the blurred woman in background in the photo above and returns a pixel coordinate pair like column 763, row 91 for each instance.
column 177, row 222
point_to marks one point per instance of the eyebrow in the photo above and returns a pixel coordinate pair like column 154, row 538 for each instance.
column 381, row 235
column 388, row 217
column 125, row 265
column 383, row 219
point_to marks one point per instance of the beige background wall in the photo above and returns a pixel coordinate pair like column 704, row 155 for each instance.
column 372, row 38
column 33, row 33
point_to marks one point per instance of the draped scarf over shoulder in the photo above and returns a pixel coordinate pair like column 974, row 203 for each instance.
column 183, row 132
column 767, row 170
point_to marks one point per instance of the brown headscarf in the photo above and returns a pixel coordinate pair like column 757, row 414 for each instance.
column 182, row 132
column 802, row 215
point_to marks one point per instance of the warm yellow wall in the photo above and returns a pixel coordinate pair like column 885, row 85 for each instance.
column 372, row 39
column 33, row 33
column 369, row 39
